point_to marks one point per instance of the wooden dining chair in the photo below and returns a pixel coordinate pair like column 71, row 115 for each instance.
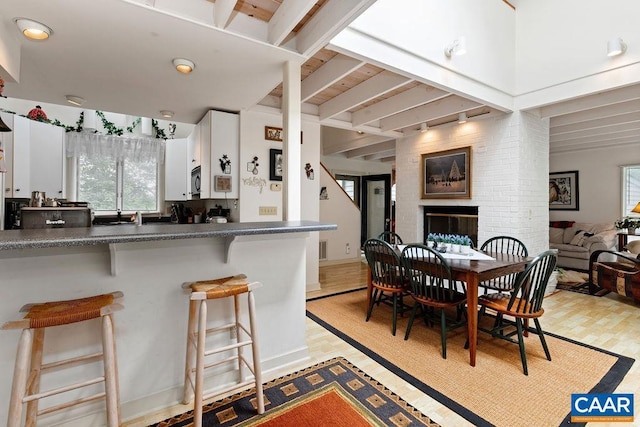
column 524, row 303
column 390, row 237
column 389, row 282
column 432, row 288
column 506, row 245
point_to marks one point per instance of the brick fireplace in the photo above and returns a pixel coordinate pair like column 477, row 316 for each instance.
column 461, row 220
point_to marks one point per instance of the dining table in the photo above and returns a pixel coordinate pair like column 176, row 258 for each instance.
column 486, row 266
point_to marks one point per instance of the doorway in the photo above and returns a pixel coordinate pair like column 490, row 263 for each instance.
column 376, row 206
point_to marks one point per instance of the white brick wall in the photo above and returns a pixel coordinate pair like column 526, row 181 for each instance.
column 510, row 177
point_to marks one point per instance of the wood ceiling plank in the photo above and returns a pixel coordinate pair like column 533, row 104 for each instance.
column 401, row 102
column 285, row 19
column 452, row 104
column 331, row 72
column 369, row 89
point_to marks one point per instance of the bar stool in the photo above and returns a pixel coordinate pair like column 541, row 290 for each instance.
column 26, row 379
column 202, row 291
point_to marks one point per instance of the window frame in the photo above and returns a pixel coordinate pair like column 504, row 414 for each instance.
column 627, row 192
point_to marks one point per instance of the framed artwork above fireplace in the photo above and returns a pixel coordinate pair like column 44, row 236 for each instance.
column 447, row 174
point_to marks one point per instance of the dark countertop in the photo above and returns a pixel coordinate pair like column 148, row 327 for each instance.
column 61, row 237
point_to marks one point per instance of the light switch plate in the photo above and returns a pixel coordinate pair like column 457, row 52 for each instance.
column 268, row 210
column 276, row 187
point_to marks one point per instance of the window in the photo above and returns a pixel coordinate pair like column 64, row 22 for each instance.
column 630, row 189
column 351, row 185
column 110, row 185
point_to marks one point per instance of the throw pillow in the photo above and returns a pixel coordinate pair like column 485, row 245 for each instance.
column 579, row 238
column 561, row 224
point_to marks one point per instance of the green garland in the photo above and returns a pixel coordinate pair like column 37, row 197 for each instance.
column 110, row 127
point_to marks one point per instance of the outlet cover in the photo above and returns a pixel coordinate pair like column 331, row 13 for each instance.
column 268, row 210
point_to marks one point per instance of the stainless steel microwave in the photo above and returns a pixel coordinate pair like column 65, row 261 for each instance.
column 196, row 180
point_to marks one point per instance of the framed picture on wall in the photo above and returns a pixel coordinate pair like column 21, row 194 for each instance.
column 563, row 191
column 275, row 164
column 447, row 174
column 272, row 133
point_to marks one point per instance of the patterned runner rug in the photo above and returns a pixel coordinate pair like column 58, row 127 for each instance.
column 332, row 393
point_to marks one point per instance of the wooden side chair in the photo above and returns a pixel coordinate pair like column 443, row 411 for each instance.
column 197, row 351
column 432, row 287
column 522, row 304
column 505, row 245
column 29, row 368
column 387, row 277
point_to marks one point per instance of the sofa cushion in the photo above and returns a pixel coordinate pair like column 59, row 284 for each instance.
column 580, row 237
column 556, row 235
column 566, row 249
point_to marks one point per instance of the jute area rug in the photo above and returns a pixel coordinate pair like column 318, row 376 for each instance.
column 495, row 391
column 332, row 393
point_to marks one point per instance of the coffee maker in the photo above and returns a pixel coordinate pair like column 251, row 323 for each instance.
column 12, row 209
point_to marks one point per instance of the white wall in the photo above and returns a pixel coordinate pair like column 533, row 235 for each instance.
column 599, row 181
column 509, row 177
column 253, row 143
column 339, row 209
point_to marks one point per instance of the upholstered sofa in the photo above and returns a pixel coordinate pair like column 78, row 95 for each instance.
column 575, row 242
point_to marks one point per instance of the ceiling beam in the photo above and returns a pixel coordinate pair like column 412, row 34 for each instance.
column 613, row 131
column 381, row 155
column 595, row 124
column 377, row 85
column 618, row 142
column 596, row 113
column 288, row 15
column 333, row 17
column 401, row 102
column 373, row 149
column 222, row 12
column 332, row 71
column 592, row 101
column 444, row 107
column 353, row 144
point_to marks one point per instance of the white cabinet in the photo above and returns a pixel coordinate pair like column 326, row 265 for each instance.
column 219, row 153
column 177, row 170
column 34, row 153
column 46, row 161
column 193, row 148
column 16, row 151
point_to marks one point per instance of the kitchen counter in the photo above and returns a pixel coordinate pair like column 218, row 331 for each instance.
column 126, row 233
column 148, row 264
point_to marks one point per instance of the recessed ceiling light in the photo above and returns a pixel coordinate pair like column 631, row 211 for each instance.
column 75, row 100
column 184, row 65
column 166, row 114
column 32, row 29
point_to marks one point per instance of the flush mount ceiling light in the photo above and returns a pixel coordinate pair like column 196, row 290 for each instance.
column 184, row 65
column 32, row 29
column 462, row 117
column 458, row 47
column 75, row 100
column 616, row 47
column 166, row 114
column 423, row 127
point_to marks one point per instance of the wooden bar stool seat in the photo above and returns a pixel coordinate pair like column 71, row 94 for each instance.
column 29, row 368
column 201, row 292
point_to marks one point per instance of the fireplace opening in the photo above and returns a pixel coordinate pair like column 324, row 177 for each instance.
column 462, row 220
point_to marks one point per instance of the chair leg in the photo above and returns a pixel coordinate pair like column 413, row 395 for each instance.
column 542, row 340
column 413, row 315
column 523, row 354
column 257, row 371
column 189, row 382
column 395, row 313
column 443, row 333
column 110, row 371
column 199, row 380
column 239, row 332
column 373, row 301
column 20, row 375
column 33, row 384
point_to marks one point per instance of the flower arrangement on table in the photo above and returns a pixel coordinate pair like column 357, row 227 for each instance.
column 449, row 242
column 628, row 223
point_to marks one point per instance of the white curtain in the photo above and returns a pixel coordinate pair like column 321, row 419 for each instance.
column 134, row 147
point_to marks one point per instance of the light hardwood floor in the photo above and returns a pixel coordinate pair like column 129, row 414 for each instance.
column 610, row 322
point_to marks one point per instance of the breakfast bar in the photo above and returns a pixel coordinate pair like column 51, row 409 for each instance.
column 148, row 264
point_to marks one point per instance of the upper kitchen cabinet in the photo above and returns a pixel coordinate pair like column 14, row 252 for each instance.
column 177, row 169
column 219, row 154
column 46, row 160
column 16, row 153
